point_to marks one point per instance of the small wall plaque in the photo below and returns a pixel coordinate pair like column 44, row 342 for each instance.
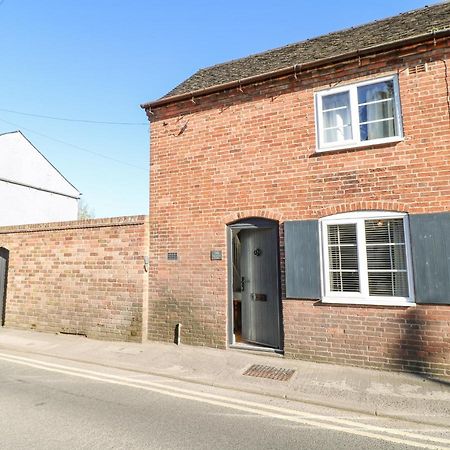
column 216, row 255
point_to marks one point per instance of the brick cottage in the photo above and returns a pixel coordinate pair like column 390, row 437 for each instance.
column 300, row 199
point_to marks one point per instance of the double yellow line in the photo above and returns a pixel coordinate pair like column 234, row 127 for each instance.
column 315, row 420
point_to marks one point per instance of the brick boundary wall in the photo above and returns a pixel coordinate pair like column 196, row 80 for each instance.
column 82, row 277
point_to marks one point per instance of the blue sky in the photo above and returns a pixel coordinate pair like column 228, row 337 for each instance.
column 98, row 60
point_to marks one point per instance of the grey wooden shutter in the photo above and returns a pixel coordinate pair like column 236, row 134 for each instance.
column 430, row 246
column 302, row 253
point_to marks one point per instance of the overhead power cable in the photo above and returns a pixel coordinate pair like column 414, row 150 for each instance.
column 67, row 119
column 59, row 141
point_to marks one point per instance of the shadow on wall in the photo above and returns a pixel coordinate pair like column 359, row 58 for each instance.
column 4, row 259
column 420, row 351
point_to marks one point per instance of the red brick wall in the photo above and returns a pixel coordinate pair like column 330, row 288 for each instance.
column 252, row 153
column 413, row 339
column 78, row 277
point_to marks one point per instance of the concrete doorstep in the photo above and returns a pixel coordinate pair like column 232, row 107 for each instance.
column 397, row 395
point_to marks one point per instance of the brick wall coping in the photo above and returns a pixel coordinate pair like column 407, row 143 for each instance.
column 75, row 224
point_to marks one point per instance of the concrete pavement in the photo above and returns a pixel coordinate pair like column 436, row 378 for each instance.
column 49, row 403
column 399, row 395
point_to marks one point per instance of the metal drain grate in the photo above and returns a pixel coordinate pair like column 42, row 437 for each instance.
column 274, row 373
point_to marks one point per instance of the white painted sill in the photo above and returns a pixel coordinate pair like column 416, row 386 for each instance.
column 368, row 302
column 363, row 144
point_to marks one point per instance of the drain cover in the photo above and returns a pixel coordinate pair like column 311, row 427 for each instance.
column 274, row 373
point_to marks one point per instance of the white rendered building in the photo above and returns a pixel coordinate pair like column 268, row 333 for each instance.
column 32, row 190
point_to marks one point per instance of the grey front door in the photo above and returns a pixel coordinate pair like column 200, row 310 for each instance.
column 3, row 274
column 260, row 287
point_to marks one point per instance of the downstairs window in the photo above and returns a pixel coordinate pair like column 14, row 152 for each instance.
column 366, row 258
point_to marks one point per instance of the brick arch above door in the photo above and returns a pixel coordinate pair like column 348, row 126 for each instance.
column 247, row 213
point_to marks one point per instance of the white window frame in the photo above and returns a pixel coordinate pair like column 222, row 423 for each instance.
column 362, row 297
column 352, row 89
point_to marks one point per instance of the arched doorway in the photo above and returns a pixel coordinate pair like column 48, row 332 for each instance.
column 4, row 256
column 254, row 283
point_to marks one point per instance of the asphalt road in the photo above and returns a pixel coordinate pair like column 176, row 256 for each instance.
column 47, row 403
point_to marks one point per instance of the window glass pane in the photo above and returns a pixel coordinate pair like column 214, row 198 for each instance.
column 376, row 110
column 336, row 117
column 384, row 231
column 376, row 91
column 388, row 284
column 335, row 282
column 346, row 233
column 400, row 284
column 334, row 258
column 398, row 257
column 350, row 282
column 337, row 134
column 334, row 101
column 343, row 258
column 377, row 130
column 344, row 282
column 333, row 235
column 386, row 257
column 349, row 257
column 396, row 231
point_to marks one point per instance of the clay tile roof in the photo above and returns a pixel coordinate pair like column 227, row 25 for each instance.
column 403, row 26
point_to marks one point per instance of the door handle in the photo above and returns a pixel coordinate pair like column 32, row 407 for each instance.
column 242, row 284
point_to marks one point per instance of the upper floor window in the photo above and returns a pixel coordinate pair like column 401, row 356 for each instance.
column 365, row 113
column 366, row 258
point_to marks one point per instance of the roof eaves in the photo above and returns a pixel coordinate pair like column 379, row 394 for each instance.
column 291, row 69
